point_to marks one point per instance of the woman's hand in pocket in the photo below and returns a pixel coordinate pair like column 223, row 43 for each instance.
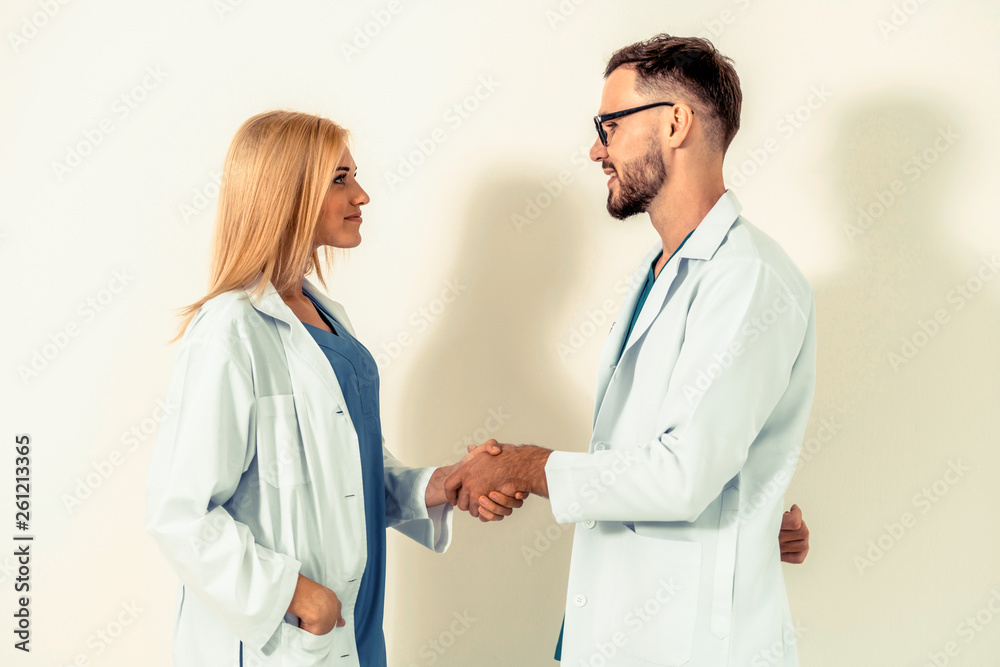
column 317, row 607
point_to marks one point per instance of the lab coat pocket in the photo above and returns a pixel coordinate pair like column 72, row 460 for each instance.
column 279, row 445
column 658, row 602
column 300, row 648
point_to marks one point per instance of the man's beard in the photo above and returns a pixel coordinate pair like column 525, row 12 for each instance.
column 647, row 175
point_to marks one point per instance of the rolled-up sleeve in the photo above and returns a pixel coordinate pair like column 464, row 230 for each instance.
column 743, row 335
column 406, row 509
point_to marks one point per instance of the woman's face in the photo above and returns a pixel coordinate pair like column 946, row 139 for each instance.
column 339, row 222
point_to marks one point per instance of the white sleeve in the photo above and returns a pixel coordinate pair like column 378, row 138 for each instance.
column 704, row 432
column 203, row 448
column 406, row 510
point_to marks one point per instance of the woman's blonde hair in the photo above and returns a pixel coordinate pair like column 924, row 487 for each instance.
column 276, row 175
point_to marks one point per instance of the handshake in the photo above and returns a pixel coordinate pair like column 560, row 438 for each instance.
column 491, row 481
column 494, row 479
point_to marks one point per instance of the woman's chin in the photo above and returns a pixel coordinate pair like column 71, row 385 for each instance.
column 346, row 243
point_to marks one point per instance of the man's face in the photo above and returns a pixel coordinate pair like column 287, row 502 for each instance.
column 633, row 158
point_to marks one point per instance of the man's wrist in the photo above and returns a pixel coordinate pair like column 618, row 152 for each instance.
column 533, row 460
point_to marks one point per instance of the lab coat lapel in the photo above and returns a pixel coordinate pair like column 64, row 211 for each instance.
column 295, row 338
column 609, row 353
column 655, row 300
column 705, row 240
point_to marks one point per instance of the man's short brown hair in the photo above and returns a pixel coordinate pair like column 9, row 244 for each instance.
column 694, row 68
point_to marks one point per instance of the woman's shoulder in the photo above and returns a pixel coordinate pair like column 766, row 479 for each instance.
column 226, row 318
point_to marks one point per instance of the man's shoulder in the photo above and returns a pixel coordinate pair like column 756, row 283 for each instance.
column 745, row 241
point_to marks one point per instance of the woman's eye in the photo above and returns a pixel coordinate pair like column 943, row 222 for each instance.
column 339, row 180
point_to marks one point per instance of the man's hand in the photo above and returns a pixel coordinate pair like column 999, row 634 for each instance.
column 498, row 505
column 317, row 607
column 503, row 506
column 793, row 537
column 486, row 480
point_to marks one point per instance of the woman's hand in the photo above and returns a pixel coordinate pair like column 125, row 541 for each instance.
column 317, row 607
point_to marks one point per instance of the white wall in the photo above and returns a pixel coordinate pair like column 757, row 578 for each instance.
column 140, row 204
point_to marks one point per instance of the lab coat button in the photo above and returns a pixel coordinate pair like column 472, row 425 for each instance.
column 600, row 447
column 589, row 524
column 579, row 600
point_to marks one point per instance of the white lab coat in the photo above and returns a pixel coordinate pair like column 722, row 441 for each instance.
column 696, row 435
column 256, row 477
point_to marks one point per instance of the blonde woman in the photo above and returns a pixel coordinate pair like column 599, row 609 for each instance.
column 270, row 488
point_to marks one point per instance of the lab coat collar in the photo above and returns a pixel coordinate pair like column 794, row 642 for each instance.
column 270, row 303
column 704, row 241
column 707, row 236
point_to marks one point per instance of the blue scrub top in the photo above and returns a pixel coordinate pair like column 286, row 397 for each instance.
column 640, row 302
column 357, row 373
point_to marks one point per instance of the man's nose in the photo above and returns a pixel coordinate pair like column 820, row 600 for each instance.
column 598, row 151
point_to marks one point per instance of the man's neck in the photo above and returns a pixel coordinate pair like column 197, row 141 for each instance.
column 678, row 209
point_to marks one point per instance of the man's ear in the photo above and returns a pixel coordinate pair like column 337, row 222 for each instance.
column 679, row 122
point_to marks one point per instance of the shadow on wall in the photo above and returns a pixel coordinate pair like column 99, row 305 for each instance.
column 893, row 473
column 490, row 368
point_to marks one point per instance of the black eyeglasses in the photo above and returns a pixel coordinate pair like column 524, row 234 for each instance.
column 600, row 120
